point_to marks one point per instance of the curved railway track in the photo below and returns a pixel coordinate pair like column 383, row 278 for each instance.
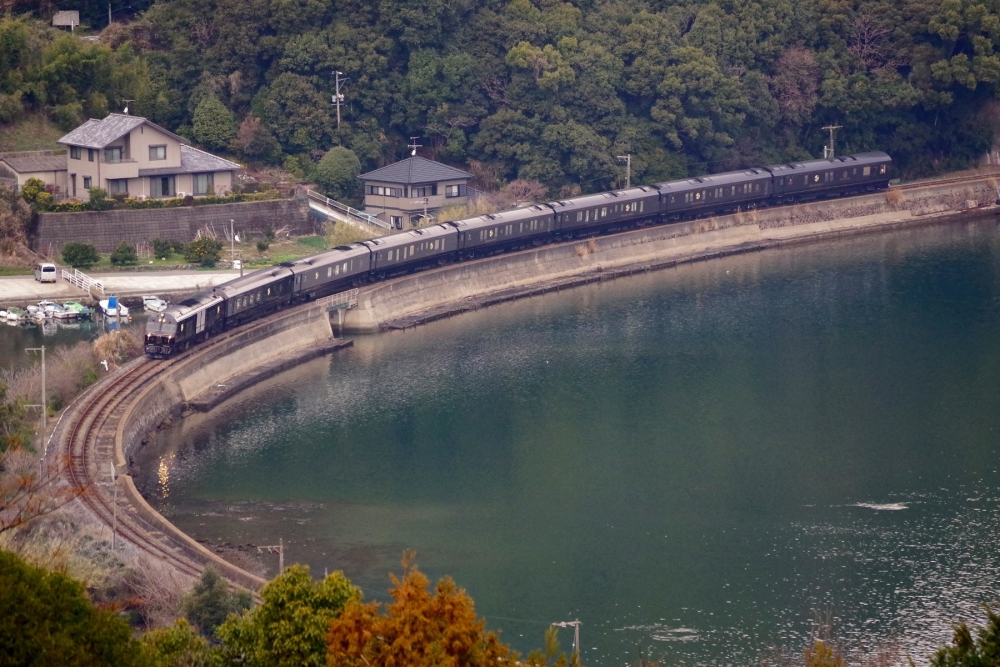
column 945, row 181
column 90, row 441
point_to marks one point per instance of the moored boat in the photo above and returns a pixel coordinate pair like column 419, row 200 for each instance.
column 122, row 310
column 78, row 308
column 153, row 303
column 53, row 309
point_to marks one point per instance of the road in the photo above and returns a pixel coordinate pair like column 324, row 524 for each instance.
column 24, row 289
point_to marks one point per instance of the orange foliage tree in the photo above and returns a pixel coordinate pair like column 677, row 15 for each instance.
column 422, row 630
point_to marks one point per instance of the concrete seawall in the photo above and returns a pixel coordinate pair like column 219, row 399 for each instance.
column 430, row 295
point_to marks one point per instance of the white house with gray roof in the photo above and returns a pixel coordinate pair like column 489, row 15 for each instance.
column 129, row 155
column 400, row 193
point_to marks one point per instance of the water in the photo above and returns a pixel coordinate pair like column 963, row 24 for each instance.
column 52, row 334
column 695, row 463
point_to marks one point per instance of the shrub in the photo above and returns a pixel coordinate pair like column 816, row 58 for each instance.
column 262, row 245
column 31, row 189
column 203, row 251
column 214, row 124
column 337, row 173
column 165, row 247
column 124, row 255
column 99, row 200
column 118, row 346
column 211, row 601
column 80, row 255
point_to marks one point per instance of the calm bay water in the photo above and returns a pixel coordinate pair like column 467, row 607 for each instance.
column 694, row 463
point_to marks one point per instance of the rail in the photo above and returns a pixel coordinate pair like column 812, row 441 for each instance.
column 342, row 300
column 344, row 208
column 83, row 281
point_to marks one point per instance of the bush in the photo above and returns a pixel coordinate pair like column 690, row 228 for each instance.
column 80, row 255
column 166, row 247
column 211, row 601
column 99, row 200
column 337, row 173
column 203, row 251
column 124, row 255
column 262, row 245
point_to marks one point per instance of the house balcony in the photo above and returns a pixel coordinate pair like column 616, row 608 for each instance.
column 124, row 168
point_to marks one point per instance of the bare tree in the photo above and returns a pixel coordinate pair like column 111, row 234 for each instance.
column 30, row 488
column 796, row 84
column 868, row 41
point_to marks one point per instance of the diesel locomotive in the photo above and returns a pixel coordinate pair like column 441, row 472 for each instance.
column 267, row 290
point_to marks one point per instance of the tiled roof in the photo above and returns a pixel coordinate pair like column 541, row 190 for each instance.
column 27, row 163
column 99, row 133
column 415, row 170
column 193, row 160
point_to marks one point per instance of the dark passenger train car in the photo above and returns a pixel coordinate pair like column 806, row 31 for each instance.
column 831, row 177
column 187, row 322
column 255, row 294
column 503, row 230
column 419, row 247
column 718, row 193
column 330, row 271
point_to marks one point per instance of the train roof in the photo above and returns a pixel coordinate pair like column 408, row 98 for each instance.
column 724, row 178
column 332, row 256
column 412, row 236
column 511, row 215
column 858, row 159
column 252, row 281
column 603, row 198
column 178, row 311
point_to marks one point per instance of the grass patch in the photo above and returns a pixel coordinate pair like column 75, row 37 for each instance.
column 16, row 271
column 34, row 132
column 318, row 242
column 338, row 234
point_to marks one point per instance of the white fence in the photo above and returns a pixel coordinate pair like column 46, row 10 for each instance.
column 342, row 211
column 83, row 281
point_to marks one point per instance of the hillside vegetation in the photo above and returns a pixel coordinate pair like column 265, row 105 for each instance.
column 533, row 89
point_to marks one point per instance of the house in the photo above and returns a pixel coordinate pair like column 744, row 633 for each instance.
column 47, row 166
column 129, row 155
column 404, row 192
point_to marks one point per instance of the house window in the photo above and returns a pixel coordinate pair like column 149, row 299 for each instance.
column 90, row 154
column 118, row 186
column 162, row 186
column 203, row 183
column 157, row 152
column 383, row 191
column 113, row 154
column 74, row 152
column 86, row 184
column 454, row 191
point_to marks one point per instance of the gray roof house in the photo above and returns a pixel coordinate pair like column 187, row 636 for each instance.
column 130, row 155
column 47, row 166
column 404, row 192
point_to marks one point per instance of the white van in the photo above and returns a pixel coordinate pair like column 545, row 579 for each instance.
column 45, row 273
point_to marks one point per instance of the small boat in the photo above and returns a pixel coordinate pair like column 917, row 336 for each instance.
column 53, row 309
column 37, row 313
column 3, row 314
column 78, row 308
column 122, row 310
column 154, row 303
column 15, row 314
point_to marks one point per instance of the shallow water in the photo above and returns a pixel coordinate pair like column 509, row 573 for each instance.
column 695, row 463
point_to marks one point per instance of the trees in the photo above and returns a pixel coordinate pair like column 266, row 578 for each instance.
column 46, row 619
column 983, row 650
column 80, row 255
column 203, row 251
column 16, row 220
column 214, row 124
column 124, row 255
column 337, row 173
column 211, row 601
column 289, row 628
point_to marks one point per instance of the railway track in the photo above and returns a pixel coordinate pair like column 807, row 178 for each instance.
column 945, row 181
column 90, row 441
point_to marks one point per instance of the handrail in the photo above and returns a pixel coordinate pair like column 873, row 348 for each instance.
column 83, row 281
column 361, row 215
column 347, row 299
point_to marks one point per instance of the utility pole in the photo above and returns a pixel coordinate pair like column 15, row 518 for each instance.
column 280, row 549
column 114, row 507
column 423, row 201
column 831, row 128
column 628, row 169
column 414, row 145
column 232, row 247
column 338, row 97
column 109, row 13
column 44, row 404
column 576, row 634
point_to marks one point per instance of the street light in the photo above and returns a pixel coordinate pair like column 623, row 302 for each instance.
column 338, row 97
column 576, row 634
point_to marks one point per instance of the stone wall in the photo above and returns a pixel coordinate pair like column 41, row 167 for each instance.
column 106, row 229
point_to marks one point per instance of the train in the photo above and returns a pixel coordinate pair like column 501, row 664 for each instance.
column 264, row 291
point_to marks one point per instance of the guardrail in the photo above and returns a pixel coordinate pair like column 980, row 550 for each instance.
column 83, row 281
column 344, row 208
column 342, row 300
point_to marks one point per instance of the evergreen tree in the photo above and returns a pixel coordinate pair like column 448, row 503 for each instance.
column 214, row 124
column 337, row 173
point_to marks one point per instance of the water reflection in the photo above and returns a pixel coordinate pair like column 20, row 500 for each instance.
column 691, row 462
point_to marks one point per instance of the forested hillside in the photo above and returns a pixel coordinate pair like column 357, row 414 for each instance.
column 536, row 89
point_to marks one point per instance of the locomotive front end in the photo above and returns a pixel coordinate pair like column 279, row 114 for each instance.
column 160, row 338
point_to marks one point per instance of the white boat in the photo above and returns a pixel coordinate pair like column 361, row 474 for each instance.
column 121, row 308
column 3, row 314
column 37, row 313
column 15, row 314
column 53, row 309
column 154, row 303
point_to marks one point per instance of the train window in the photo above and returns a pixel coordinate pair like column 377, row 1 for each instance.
column 881, row 169
column 269, row 291
column 641, row 206
column 587, row 216
column 258, row 296
column 699, row 195
column 316, row 275
column 337, row 270
column 671, row 199
column 816, row 178
column 344, row 268
column 218, row 309
column 579, row 216
column 604, row 211
column 756, row 187
column 329, row 271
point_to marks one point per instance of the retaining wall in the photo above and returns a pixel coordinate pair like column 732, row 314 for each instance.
column 106, row 229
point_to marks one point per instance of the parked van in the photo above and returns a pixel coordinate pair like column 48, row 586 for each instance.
column 45, row 273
